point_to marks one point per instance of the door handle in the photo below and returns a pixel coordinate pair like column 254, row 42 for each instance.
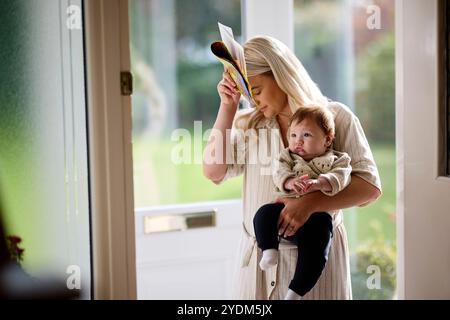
column 179, row 222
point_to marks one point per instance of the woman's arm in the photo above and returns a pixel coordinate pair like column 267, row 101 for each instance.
column 214, row 155
column 297, row 211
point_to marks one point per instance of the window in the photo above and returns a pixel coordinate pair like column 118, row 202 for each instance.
column 176, row 77
column 348, row 48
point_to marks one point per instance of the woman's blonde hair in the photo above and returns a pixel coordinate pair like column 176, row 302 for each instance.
column 269, row 56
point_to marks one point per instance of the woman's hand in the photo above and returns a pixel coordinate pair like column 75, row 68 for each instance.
column 228, row 92
column 294, row 215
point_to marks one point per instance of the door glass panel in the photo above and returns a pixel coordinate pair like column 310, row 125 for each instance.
column 348, row 46
column 175, row 86
column 43, row 141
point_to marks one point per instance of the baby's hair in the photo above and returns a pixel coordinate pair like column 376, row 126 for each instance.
column 319, row 114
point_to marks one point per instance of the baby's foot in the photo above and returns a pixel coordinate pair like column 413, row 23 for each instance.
column 269, row 259
column 292, row 295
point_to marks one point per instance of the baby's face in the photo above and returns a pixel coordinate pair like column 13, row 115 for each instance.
column 307, row 139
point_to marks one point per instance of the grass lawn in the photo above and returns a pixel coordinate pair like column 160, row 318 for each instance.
column 158, row 181
column 378, row 219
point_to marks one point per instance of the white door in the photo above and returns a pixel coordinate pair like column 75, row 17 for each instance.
column 187, row 251
column 423, row 180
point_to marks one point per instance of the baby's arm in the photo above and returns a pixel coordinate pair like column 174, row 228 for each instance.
column 282, row 171
column 331, row 182
column 339, row 175
column 296, row 184
column 305, row 185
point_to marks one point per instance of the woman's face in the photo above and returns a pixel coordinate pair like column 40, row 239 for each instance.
column 307, row 139
column 269, row 98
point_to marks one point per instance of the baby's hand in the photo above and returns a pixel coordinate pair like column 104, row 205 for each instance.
column 297, row 184
column 289, row 184
column 309, row 185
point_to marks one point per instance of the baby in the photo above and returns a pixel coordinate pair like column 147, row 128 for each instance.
column 308, row 164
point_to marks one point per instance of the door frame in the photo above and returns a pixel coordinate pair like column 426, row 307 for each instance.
column 110, row 150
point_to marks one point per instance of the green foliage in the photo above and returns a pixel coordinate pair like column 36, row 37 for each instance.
column 315, row 28
column 197, row 70
column 359, row 221
column 197, row 95
column 197, row 78
column 375, row 89
column 198, row 19
column 14, row 81
column 379, row 253
column 158, row 181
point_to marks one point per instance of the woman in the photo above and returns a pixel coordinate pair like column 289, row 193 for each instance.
column 280, row 85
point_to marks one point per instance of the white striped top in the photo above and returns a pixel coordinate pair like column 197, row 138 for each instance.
column 250, row 282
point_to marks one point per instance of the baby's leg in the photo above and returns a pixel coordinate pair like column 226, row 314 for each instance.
column 266, row 231
column 313, row 241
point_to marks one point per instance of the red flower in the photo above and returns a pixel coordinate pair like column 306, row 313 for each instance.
column 15, row 252
column 14, row 239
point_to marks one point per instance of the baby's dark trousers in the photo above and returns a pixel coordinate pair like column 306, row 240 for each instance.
column 313, row 240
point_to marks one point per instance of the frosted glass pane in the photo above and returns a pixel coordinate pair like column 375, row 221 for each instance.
column 43, row 147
